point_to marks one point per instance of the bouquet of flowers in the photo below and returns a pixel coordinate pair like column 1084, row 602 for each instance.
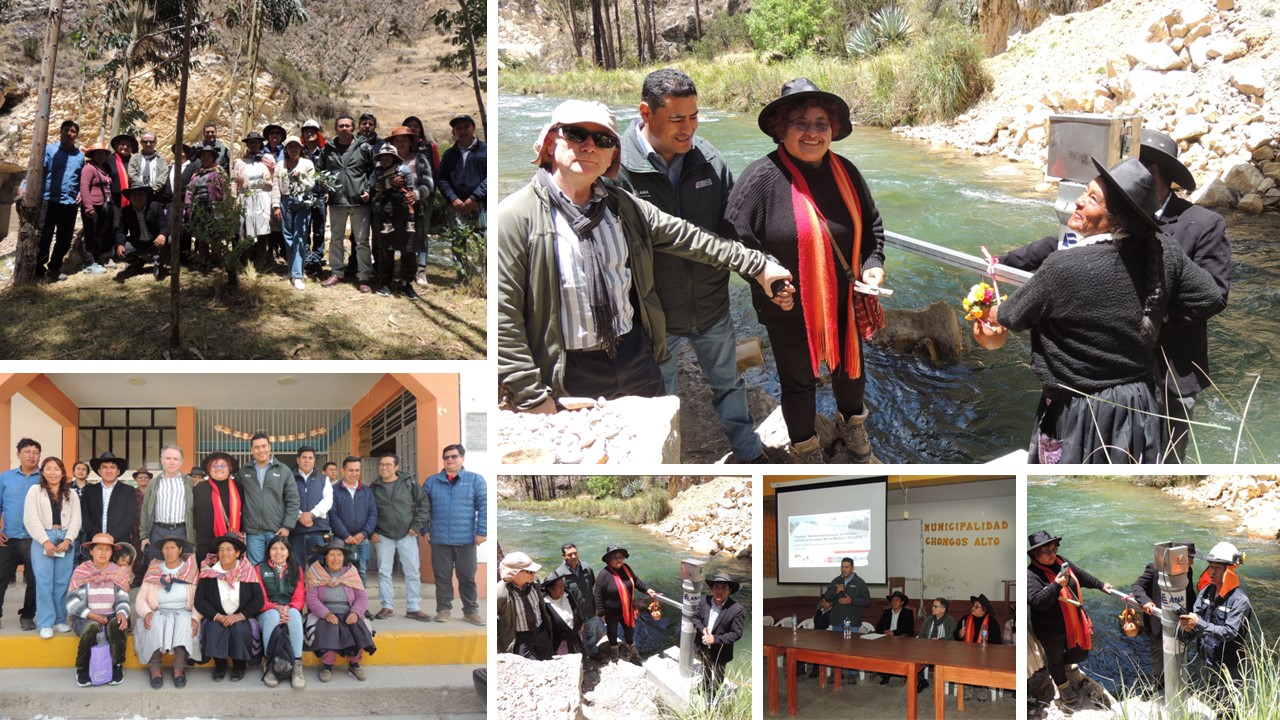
column 978, row 303
column 655, row 610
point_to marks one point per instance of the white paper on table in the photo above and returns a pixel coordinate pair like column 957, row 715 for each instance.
column 870, row 636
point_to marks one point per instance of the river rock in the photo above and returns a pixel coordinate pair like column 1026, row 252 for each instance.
column 1249, row 81
column 1243, row 178
column 705, row 546
column 549, row 689
column 933, row 332
column 1213, row 194
column 1250, row 203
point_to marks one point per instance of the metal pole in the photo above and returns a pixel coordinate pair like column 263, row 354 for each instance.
column 691, row 578
column 1174, row 565
column 954, row 258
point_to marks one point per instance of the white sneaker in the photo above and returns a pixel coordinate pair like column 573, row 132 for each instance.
column 298, row 284
column 62, row 628
column 46, row 633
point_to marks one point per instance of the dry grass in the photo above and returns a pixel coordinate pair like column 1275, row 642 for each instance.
column 97, row 317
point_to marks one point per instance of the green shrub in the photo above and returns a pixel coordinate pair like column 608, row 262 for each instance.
column 786, row 27
column 31, row 48
column 648, row 507
column 603, row 485
column 725, row 33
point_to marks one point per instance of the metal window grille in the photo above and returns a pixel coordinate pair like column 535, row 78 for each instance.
column 136, row 434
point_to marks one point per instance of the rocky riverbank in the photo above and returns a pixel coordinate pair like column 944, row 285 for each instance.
column 569, row 688
column 1201, row 71
column 711, row 518
column 1253, row 500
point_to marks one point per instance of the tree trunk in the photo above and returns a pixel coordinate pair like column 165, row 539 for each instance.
column 611, row 54
column 475, row 72
column 179, row 191
column 617, row 30
column 597, row 31
column 122, row 92
column 573, row 28
column 635, row 7
column 24, row 272
column 255, row 40
column 653, row 30
column 697, row 19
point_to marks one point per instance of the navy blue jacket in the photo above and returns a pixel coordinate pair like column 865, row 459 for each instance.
column 461, row 180
column 458, row 510
column 351, row 515
column 310, row 494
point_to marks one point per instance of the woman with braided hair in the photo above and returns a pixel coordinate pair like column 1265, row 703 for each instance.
column 1095, row 313
column 1058, row 619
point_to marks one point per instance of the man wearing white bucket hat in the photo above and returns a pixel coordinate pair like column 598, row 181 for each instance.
column 577, row 310
column 1221, row 615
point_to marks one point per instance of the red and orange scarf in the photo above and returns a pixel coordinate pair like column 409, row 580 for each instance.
column 186, row 573
column 1079, row 626
column 319, row 576
column 222, row 523
column 818, row 278
column 629, row 611
column 244, row 571
column 973, row 629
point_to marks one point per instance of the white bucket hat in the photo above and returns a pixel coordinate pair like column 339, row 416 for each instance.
column 573, row 112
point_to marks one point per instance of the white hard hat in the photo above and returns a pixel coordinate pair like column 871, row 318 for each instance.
column 1224, row 552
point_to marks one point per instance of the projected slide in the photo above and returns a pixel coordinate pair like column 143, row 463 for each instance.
column 824, row 520
column 822, row 540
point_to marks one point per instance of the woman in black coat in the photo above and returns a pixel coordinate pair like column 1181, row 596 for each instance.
column 212, row 517
column 566, row 617
column 615, row 588
column 228, row 596
column 1062, row 628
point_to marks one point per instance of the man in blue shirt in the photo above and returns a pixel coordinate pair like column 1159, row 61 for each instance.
column 458, row 525
column 62, row 164
column 15, row 543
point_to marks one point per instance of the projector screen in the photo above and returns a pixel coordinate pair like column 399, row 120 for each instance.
column 821, row 522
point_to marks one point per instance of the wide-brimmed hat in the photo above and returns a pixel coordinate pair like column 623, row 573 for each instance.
column 1039, row 538
column 101, row 539
column 519, row 561
column 133, row 142
column 109, row 457
column 139, row 187
column 734, row 585
column 184, row 545
column 320, row 552
column 95, row 148
column 613, row 549
column 402, row 131
column 461, row 117
column 981, row 599
column 552, row 577
column 1131, row 185
column 142, row 469
column 899, row 594
column 232, row 538
column 1224, row 553
column 198, row 471
column 252, row 136
column 266, row 131
column 1162, row 150
column 799, row 90
column 387, row 149
column 573, row 112
column 212, row 149
column 204, row 464
column 292, row 139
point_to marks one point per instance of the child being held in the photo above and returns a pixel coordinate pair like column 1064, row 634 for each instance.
column 386, row 196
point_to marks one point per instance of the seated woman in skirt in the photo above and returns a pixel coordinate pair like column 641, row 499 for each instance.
column 167, row 621
column 98, row 600
column 228, row 596
column 336, row 601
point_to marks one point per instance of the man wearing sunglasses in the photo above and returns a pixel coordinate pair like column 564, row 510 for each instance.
column 458, row 526
column 578, row 312
column 666, row 163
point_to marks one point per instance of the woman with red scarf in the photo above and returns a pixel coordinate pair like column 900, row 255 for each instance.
column 979, row 626
column 615, row 591
column 218, row 505
column 1058, row 619
column 812, row 210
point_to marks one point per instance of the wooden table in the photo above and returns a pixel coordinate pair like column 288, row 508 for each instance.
column 776, row 641
column 993, row 667
column 963, row 662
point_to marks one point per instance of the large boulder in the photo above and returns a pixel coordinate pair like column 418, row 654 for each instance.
column 1213, row 194
column 933, row 332
column 1250, row 203
column 1243, row 178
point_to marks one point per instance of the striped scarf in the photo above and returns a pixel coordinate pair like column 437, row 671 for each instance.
column 186, row 573
column 244, row 571
column 818, row 274
column 86, row 573
column 319, row 576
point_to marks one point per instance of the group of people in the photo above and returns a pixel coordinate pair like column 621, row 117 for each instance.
column 1216, row 615
column 265, row 535
column 844, row 600
column 575, row 610
column 621, row 246
column 286, row 189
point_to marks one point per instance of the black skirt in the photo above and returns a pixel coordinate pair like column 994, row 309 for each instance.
column 238, row 642
column 1121, row 424
column 341, row 638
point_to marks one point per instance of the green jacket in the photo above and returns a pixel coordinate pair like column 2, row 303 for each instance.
column 147, row 515
column 530, row 341
column 507, row 614
column 694, row 296
column 275, row 504
column 401, row 505
column 353, row 168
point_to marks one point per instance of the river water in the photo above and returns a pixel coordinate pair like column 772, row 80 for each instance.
column 1108, row 527
column 655, row 561
column 980, row 407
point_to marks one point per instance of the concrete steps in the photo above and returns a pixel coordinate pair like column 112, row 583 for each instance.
column 408, row 691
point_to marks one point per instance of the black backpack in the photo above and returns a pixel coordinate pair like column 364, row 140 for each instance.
column 278, row 658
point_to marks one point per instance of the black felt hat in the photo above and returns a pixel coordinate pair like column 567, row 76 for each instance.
column 797, row 91
column 1039, row 538
column 109, row 457
column 1162, row 150
column 899, row 594
column 1131, row 185
column 724, row 578
column 613, row 549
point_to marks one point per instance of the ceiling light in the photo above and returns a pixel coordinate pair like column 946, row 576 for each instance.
column 287, row 380
column 135, row 380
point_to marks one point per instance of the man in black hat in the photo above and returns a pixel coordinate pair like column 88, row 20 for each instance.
column 1182, row 359
column 109, row 506
column 666, row 163
column 718, row 625
column 142, row 229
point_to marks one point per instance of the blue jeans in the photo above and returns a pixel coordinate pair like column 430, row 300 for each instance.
column 361, row 553
column 257, row 544
column 407, row 547
column 295, row 221
column 718, row 358
column 269, row 619
column 52, row 577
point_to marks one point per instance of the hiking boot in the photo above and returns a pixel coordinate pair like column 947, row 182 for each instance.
column 356, row 671
column 474, row 619
column 443, row 615
column 298, row 680
column 409, row 292
column 808, row 452
column 326, row 673
column 270, row 679
column 855, row 437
